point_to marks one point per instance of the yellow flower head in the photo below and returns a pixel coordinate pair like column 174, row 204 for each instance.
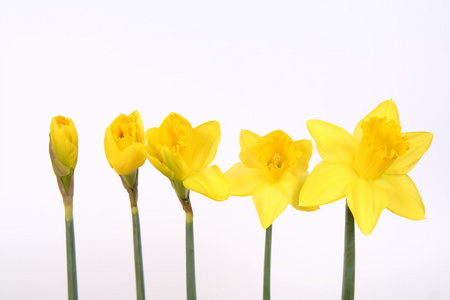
column 369, row 168
column 64, row 143
column 182, row 153
column 273, row 169
column 124, row 143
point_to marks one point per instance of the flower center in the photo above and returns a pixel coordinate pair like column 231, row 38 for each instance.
column 276, row 152
column 276, row 161
column 61, row 121
column 124, row 131
column 174, row 133
column 381, row 144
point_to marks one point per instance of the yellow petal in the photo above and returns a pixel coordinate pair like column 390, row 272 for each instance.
column 175, row 163
column 204, row 144
column 209, row 182
column 160, row 166
column 248, row 141
column 306, row 148
column 292, row 183
column 244, row 180
column 326, row 183
column 404, row 198
column 334, row 144
column 386, row 109
column 58, row 167
column 128, row 160
column 419, row 144
column 110, row 146
column 366, row 200
column 140, row 134
column 152, row 148
column 270, row 201
column 176, row 118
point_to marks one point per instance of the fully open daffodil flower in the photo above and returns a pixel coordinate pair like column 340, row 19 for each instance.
column 273, row 169
column 64, row 144
column 124, row 143
column 182, row 153
column 369, row 168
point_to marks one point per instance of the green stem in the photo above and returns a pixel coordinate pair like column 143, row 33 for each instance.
column 190, row 257
column 348, row 281
column 267, row 258
column 183, row 197
column 138, row 263
column 71, row 261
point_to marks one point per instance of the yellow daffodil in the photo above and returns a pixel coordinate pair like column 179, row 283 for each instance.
column 63, row 145
column 273, row 169
column 182, row 153
column 369, row 168
column 124, row 143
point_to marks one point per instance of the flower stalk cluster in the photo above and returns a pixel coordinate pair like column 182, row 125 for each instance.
column 369, row 168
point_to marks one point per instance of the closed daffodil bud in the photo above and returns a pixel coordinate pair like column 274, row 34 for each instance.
column 63, row 149
column 63, row 144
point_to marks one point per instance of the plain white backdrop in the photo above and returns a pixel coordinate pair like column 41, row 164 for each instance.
column 256, row 65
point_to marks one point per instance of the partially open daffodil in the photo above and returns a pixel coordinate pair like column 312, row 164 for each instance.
column 273, row 169
column 183, row 153
column 124, row 143
column 369, row 168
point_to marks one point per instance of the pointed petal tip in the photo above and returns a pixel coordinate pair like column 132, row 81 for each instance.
column 307, row 208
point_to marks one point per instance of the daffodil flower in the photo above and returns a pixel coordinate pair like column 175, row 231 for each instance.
column 272, row 170
column 63, row 150
column 369, row 168
column 124, row 143
column 183, row 153
column 124, row 148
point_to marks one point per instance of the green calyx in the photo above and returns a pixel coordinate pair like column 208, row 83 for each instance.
column 130, row 179
column 182, row 192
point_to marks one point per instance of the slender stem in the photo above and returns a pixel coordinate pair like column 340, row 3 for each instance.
column 190, row 258
column 71, row 260
column 138, row 263
column 267, row 258
column 183, row 197
column 348, row 281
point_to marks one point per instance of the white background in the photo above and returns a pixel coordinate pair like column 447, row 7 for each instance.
column 255, row 65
